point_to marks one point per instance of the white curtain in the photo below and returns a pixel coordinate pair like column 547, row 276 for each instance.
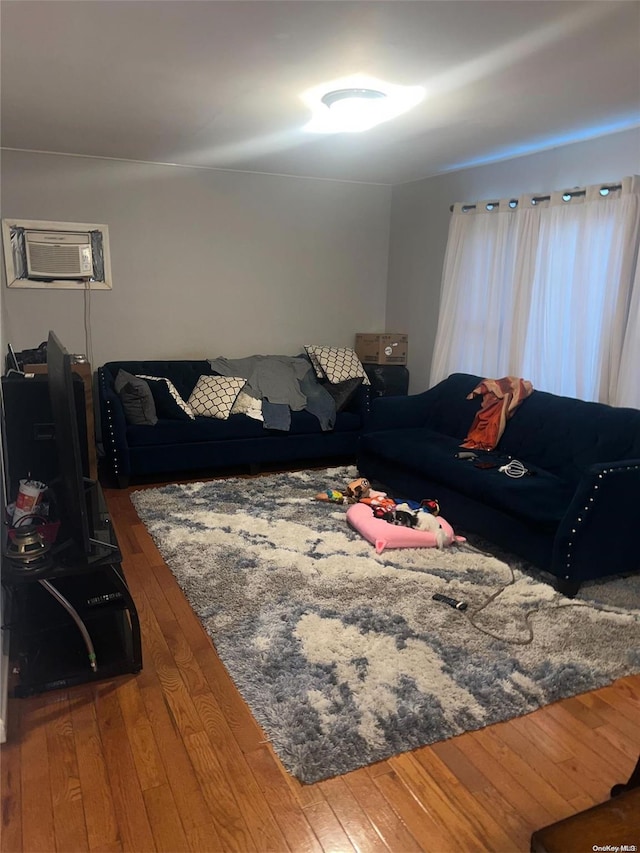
column 548, row 290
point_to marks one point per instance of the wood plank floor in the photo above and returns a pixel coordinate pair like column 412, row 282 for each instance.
column 172, row 760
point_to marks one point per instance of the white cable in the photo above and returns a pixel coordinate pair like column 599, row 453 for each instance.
column 514, row 469
column 88, row 344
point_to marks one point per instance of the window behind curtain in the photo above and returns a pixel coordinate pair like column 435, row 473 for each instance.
column 542, row 291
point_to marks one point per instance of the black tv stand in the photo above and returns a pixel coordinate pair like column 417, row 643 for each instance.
column 73, row 619
column 103, row 544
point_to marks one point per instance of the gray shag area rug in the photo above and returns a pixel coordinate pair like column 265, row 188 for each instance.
column 341, row 654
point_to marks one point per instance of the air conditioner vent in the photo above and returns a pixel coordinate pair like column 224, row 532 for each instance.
column 56, row 260
column 58, row 255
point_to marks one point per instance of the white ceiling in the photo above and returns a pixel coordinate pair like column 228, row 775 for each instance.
column 218, row 84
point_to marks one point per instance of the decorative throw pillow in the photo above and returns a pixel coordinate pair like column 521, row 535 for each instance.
column 169, row 403
column 343, row 392
column 337, row 363
column 315, row 363
column 137, row 399
column 247, row 405
column 214, row 396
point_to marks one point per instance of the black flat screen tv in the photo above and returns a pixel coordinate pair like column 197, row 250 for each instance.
column 70, row 487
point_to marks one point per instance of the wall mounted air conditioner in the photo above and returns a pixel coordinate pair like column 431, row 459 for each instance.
column 58, row 255
column 52, row 255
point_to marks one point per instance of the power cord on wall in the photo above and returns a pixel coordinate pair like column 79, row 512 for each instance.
column 88, row 342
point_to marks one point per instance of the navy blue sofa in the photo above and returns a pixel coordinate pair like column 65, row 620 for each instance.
column 175, row 447
column 574, row 517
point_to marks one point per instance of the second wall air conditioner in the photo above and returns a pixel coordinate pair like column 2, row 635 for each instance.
column 58, row 255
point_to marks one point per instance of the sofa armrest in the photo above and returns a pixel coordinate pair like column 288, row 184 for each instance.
column 398, row 412
column 114, row 428
column 596, row 537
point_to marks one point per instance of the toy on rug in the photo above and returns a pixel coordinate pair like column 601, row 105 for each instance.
column 331, row 495
column 379, row 501
column 430, row 505
column 356, row 490
column 376, row 500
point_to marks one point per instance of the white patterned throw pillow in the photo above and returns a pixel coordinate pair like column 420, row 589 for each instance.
column 315, row 363
column 249, row 406
column 214, row 396
column 173, row 392
column 337, row 363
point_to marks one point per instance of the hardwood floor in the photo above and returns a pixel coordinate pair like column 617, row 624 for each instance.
column 172, row 760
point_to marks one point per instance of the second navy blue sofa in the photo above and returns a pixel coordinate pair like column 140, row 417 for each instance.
column 574, row 516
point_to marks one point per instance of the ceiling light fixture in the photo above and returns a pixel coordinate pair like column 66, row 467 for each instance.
column 332, row 98
column 352, row 105
column 354, row 109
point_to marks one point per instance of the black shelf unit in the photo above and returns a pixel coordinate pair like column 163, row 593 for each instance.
column 56, row 657
column 47, row 646
column 388, row 380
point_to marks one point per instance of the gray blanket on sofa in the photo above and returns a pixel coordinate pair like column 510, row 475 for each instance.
column 284, row 384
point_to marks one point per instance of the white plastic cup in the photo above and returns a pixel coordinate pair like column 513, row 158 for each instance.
column 29, row 496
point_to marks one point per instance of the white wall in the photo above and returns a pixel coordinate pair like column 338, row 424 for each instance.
column 204, row 262
column 209, row 263
column 420, row 222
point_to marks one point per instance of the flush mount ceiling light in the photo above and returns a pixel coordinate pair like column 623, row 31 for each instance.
column 331, row 99
column 353, row 110
column 353, row 105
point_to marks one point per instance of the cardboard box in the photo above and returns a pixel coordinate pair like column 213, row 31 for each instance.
column 388, row 348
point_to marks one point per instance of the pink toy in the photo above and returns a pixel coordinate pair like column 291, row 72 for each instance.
column 384, row 535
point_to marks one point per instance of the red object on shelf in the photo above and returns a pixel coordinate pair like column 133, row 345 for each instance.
column 47, row 529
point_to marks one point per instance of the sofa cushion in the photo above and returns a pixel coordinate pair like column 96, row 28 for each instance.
column 137, row 399
column 183, row 374
column 168, row 402
column 342, row 392
column 247, row 404
column 198, row 431
column 560, row 435
column 565, row 436
column 236, row 427
column 446, row 408
column 317, row 367
column 541, row 499
column 336, row 363
column 214, row 396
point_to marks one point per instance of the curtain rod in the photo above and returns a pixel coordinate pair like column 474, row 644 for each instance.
column 535, row 199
